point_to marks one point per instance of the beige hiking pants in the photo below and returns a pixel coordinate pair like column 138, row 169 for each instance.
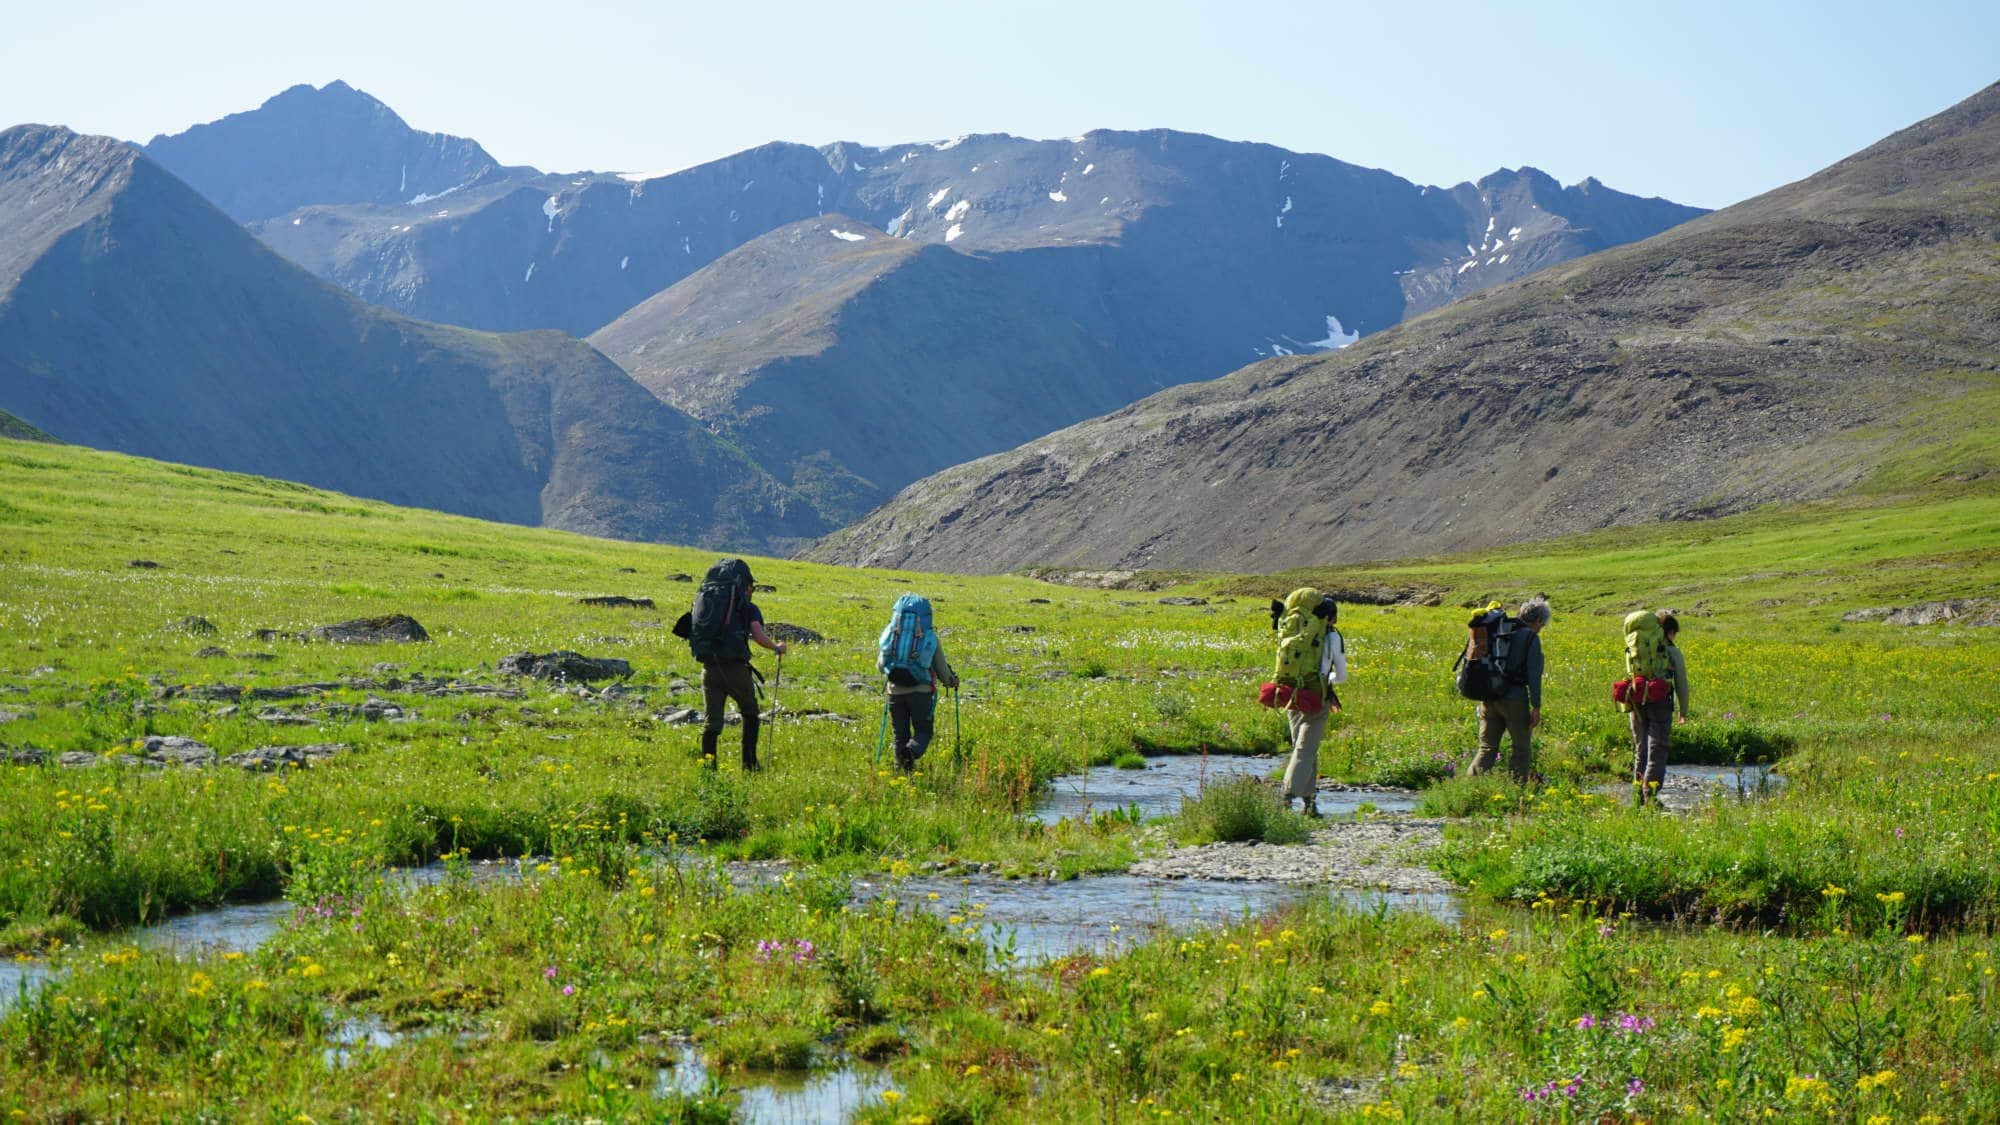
column 1302, row 772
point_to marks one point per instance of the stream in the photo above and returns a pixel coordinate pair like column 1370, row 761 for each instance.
column 1159, row 789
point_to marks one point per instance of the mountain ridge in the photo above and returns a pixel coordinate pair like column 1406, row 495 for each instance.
column 136, row 316
column 1797, row 345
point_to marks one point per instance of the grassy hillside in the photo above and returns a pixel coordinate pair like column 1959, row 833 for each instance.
column 564, row 993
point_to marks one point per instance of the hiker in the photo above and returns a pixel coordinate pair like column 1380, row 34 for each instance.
column 912, row 662
column 1516, row 703
column 1652, row 719
column 719, row 630
column 1312, row 658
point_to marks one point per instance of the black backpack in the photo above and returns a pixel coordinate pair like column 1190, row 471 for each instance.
column 718, row 627
column 1494, row 656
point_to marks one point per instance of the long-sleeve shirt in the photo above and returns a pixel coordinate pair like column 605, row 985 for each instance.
column 1679, row 665
column 1531, row 672
column 1333, row 658
column 941, row 673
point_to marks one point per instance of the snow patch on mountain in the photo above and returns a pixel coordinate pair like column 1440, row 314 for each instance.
column 952, row 234
column 551, row 207
column 848, row 236
column 1058, row 197
column 1335, row 337
column 938, row 197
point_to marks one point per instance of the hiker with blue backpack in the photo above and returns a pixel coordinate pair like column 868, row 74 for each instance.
column 912, row 661
column 719, row 630
column 1501, row 668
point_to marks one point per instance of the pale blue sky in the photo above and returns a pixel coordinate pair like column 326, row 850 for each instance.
column 1704, row 103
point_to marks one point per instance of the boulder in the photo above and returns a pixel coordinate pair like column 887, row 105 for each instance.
column 269, row 635
column 196, row 626
column 174, row 750
column 15, row 716
column 618, row 601
column 143, row 564
column 282, row 757
column 1183, row 600
column 210, row 652
column 1975, row 612
column 564, row 666
column 680, row 577
column 794, row 634
column 78, row 759
column 389, row 628
column 25, row 756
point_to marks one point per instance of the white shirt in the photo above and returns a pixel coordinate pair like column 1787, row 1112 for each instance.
column 1333, row 658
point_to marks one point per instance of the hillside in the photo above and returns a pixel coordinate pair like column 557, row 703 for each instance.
column 135, row 316
column 1838, row 333
column 858, row 362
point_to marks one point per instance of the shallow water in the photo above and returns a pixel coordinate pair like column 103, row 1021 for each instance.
column 784, row 1097
column 1032, row 920
column 1159, row 789
column 1743, row 781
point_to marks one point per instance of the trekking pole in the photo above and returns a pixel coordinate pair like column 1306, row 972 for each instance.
column 777, row 681
column 882, row 735
column 957, row 741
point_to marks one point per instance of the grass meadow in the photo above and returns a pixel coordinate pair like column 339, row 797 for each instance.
column 1822, row 953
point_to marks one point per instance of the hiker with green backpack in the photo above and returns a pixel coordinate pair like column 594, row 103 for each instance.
column 1311, row 660
column 719, row 630
column 912, row 662
column 1655, row 676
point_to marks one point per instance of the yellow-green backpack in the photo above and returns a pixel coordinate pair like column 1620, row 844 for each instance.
column 1300, row 635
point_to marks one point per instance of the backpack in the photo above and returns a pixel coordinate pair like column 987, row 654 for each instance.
column 718, row 627
column 1648, row 672
column 1496, row 648
column 1296, row 683
column 908, row 643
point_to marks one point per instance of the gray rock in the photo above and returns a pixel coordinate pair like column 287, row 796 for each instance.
column 15, row 716
column 211, row 652
column 269, row 635
column 282, row 757
column 763, row 588
column 682, row 716
column 79, row 759
column 174, row 750
column 617, row 601
column 256, row 656
column 565, row 666
column 387, row 629
column 143, row 564
column 197, row 626
column 1183, row 600
column 680, row 577
column 25, row 756
column 795, row 634
column 282, row 717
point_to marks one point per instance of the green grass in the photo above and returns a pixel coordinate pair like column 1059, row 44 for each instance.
column 1889, row 739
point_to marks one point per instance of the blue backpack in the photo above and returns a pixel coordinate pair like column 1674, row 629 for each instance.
column 908, row 643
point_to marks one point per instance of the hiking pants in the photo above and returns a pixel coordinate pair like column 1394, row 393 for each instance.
column 1302, row 772
column 1509, row 716
column 721, row 682
column 1652, row 737
column 911, row 714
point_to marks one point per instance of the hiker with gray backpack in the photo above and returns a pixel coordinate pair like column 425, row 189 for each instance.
column 912, row 661
column 1311, row 661
column 719, row 630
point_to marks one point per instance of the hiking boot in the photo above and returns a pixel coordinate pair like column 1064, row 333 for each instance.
column 1311, row 807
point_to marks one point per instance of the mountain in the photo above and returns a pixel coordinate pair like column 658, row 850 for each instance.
column 136, row 316
column 855, row 359
column 1036, row 307
column 1841, row 333
column 304, row 146
column 12, row 427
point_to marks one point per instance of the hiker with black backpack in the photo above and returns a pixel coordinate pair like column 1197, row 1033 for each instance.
column 719, row 630
column 1311, row 660
column 912, row 662
column 1501, row 667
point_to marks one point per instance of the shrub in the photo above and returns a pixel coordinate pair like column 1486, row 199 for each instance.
column 1241, row 808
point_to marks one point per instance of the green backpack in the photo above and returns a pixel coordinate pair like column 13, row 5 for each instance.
column 1646, row 646
column 1300, row 635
